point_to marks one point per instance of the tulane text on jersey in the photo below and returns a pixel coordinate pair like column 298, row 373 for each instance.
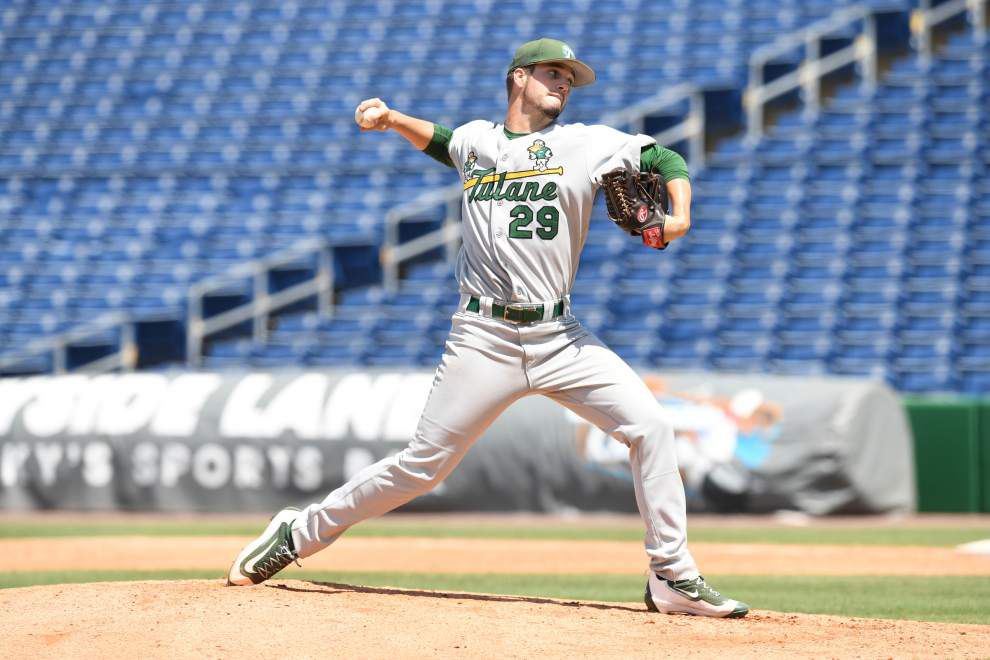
column 486, row 185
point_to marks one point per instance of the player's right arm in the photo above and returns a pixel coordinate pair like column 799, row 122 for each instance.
column 433, row 139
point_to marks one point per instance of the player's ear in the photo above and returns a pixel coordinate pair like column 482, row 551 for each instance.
column 512, row 82
column 519, row 76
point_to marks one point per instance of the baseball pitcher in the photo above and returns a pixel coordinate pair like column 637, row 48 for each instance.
column 529, row 187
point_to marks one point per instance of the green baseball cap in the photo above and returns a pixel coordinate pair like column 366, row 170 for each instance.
column 551, row 50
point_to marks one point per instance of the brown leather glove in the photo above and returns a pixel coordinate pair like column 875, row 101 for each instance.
column 637, row 204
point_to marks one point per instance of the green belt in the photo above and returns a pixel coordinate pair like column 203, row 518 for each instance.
column 526, row 314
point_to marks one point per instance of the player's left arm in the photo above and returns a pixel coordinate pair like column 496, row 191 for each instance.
column 671, row 166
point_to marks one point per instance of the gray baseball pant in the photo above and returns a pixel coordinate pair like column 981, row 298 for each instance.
column 487, row 365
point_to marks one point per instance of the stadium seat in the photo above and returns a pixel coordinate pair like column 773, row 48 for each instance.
column 146, row 146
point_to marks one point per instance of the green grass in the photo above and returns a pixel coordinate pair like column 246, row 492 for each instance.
column 915, row 535
column 945, row 599
column 33, row 578
column 957, row 599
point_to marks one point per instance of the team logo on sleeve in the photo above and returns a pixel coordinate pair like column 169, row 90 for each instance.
column 469, row 164
column 483, row 185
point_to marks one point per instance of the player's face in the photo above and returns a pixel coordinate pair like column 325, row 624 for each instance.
column 548, row 88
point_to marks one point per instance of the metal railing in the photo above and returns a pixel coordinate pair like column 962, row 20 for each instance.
column 57, row 346
column 393, row 254
column 263, row 302
column 923, row 20
column 813, row 67
column 862, row 50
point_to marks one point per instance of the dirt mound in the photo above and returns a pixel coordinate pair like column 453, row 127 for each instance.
column 294, row 619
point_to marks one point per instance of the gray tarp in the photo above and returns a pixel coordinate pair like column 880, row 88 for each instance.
column 255, row 441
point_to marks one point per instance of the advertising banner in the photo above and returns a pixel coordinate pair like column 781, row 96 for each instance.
column 258, row 441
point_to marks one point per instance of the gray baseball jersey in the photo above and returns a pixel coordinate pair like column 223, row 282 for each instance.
column 526, row 207
column 527, row 203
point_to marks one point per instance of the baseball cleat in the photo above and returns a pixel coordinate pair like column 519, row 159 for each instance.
column 692, row 596
column 266, row 555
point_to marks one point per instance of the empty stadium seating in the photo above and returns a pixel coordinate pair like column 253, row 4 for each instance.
column 145, row 146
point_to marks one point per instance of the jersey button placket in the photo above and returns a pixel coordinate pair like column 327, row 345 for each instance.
column 496, row 229
column 494, row 213
column 498, row 217
column 497, row 210
column 504, row 159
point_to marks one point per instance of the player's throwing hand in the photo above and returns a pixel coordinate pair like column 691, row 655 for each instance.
column 372, row 115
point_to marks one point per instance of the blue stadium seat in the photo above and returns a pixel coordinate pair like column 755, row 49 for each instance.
column 178, row 146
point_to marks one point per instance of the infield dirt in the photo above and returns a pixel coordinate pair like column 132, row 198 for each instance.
column 294, row 619
column 300, row 619
column 424, row 555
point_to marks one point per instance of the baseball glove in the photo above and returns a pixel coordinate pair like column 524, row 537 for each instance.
column 637, row 203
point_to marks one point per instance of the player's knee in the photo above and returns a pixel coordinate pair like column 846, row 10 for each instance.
column 654, row 427
column 429, row 477
column 422, row 483
column 661, row 423
column 652, row 444
column 426, row 466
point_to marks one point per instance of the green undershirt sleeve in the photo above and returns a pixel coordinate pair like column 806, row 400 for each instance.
column 439, row 146
column 665, row 162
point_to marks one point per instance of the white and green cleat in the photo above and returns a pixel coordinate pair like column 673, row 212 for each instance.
column 692, row 596
column 266, row 555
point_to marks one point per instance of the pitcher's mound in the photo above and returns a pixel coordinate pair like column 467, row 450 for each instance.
column 296, row 619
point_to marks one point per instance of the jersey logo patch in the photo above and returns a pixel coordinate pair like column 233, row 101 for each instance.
column 540, row 153
column 472, row 160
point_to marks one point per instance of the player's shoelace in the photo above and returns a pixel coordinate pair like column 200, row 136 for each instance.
column 707, row 592
column 278, row 558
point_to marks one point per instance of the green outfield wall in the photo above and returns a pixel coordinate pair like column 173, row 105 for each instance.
column 952, row 453
column 984, row 449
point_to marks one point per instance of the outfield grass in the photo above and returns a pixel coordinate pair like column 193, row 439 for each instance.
column 945, row 599
column 933, row 536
